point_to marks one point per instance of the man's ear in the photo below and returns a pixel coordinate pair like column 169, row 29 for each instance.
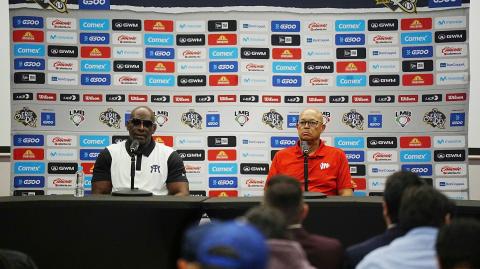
column 386, row 214
column 305, row 211
column 384, row 209
column 181, row 264
column 448, row 218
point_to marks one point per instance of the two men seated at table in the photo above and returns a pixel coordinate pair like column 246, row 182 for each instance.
column 159, row 169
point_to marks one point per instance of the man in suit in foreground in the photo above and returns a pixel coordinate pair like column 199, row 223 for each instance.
column 285, row 194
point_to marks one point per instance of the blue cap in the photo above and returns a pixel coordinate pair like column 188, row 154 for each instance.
column 233, row 245
column 193, row 238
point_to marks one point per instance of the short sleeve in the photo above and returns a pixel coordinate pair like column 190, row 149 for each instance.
column 176, row 169
column 344, row 179
column 101, row 170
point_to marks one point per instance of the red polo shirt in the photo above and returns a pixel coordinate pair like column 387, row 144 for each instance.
column 328, row 169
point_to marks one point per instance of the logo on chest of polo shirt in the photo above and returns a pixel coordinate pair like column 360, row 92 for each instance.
column 155, row 169
column 324, row 166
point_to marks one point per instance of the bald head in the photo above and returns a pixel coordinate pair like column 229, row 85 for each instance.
column 144, row 110
column 312, row 113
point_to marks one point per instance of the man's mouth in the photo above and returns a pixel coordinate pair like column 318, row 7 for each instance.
column 139, row 136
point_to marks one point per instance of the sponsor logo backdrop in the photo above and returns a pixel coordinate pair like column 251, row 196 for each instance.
column 227, row 89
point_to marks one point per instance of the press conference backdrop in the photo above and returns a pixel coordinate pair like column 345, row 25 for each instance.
column 250, row 106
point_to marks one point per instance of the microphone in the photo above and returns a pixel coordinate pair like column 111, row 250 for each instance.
column 132, row 191
column 305, row 147
column 134, row 146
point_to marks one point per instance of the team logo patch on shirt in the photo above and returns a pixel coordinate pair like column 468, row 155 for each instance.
column 155, row 169
column 324, row 166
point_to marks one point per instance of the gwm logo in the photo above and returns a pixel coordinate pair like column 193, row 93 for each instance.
column 57, row 5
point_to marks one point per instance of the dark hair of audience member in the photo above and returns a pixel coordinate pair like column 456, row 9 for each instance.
column 458, row 245
column 269, row 221
column 285, row 194
column 423, row 206
column 395, row 186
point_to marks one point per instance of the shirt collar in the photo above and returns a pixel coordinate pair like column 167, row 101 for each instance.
column 145, row 150
column 317, row 153
column 423, row 230
column 295, row 226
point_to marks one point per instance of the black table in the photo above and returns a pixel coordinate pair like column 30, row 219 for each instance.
column 98, row 231
column 145, row 232
column 349, row 219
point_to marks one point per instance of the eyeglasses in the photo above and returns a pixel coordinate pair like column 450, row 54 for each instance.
column 138, row 122
column 310, row 123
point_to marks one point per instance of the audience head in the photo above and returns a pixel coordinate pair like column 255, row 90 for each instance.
column 192, row 239
column 11, row 259
column 458, row 245
column 424, row 206
column 227, row 245
column 285, row 194
column 395, row 186
column 269, row 221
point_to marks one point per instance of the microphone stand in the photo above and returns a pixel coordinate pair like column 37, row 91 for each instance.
column 305, row 171
column 132, row 171
column 306, row 194
column 132, row 191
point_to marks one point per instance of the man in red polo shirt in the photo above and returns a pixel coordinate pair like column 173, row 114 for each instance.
column 328, row 169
